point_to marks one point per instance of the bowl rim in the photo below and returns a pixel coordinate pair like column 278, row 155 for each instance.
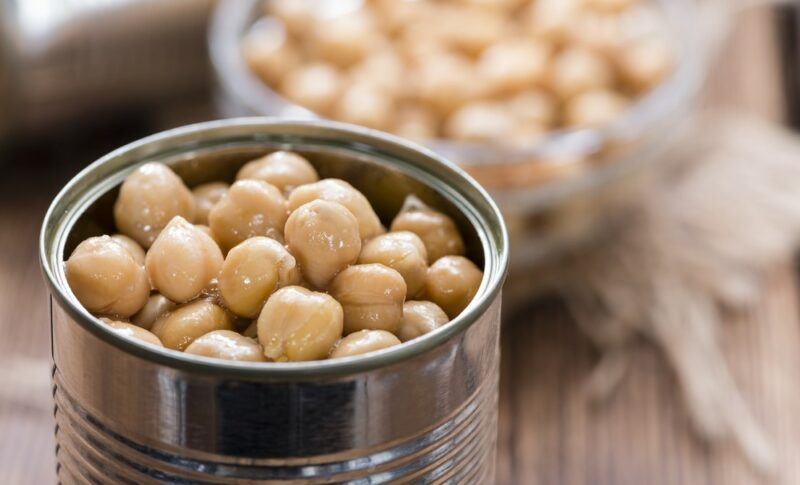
column 649, row 113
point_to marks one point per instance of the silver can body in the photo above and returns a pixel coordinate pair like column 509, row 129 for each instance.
column 425, row 411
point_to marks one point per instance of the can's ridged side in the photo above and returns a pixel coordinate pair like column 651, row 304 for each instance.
column 460, row 449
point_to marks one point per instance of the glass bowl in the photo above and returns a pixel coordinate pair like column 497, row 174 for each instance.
column 550, row 201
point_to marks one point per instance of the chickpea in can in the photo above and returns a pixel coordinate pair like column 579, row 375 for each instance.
column 309, row 275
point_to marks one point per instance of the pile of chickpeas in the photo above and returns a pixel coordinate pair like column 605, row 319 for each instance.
column 489, row 71
column 279, row 266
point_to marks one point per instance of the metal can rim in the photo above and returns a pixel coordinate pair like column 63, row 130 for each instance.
column 59, row 220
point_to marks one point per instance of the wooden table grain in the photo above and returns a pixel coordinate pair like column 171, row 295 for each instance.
column 549, row 433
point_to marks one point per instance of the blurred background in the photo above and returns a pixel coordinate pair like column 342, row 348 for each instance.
column 641, row 151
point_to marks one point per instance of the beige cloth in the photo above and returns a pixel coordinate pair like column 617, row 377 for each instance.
column 696, row 248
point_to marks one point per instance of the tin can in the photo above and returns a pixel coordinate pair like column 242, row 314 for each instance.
column 423, row 411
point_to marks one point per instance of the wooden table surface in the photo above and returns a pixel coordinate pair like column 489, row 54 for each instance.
column 549, row 433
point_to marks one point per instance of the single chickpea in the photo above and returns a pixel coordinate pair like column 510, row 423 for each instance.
column 132, row 246
column 252, row 271
column 404, row 252
column 452, row 283
column 345, row 39
column 371, row 295
column 315, row 86
column 480, row 121
column 550, row 19
column 646, row 63
column 437, row 231
column 226, row 345
column 598, row 31
column 106, row 278
column 470, row 29
column 297, row 15
column 183, row 261
column 609, row 5
column 284, row 170
column 394, row 16
column 335, row 190
column 206, row 197
column 186, row 323
column 365, row 104
column 384, row 70
column 157, row 305
column 250, row 208
column 363, row 342
column 595, row 108
column 148, row 199
column 251, row 330
column 576, row 70
column 445, row 82
column 533, row 107
column 416, row 123
column 513, row 64
column 323, row 236
column 207, row 230
column 419, row 318
column 132, row 332
column 297, row 324
column 268, row 51
column 505, row 5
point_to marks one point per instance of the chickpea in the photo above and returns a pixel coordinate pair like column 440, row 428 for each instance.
column 513, row 64
column 252, row 271
column 323, row 236
column 268, row 50
column 207, row 231
column 419, row 318
column 133, row 332
column 251, row 330
column 345, row 39
column 297, row 15
column 533, row 107
column 106, row 278
column 645, row 63
column 416, row 123
column 480, row 121
column 205, row 197
column 284, row 170
column 437, row 231
column 226, row 345
column 156, row 306
column 576, row 70
column 250, row 208
column 445, row 82
column 598, row 31
column 297, row 324
column 371, row 295
column 335, row 190
column 365, row 104
column 188, row 322
column 402, row 251
column 610, row 5
column 132, row 246
column 148, row 199
column 550, row 19
column 363, row 342
column 595, row 108
column 452, row 283
column 470, row 29
column 384, row 70
column 183, row 261
column 315, row 86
